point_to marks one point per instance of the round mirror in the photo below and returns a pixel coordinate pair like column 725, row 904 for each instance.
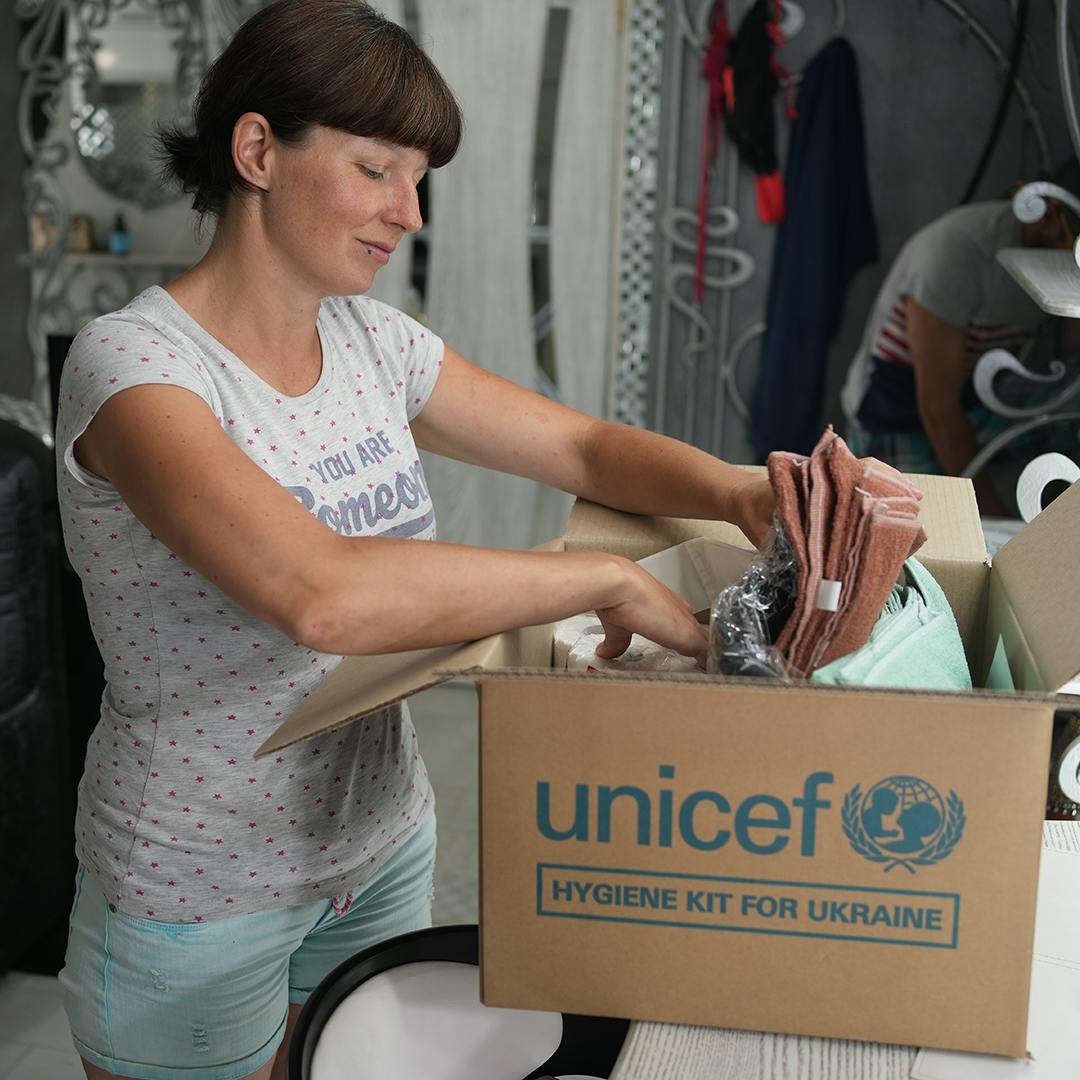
column 135, row 65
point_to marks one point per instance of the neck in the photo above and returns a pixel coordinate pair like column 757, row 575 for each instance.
column 243, row 294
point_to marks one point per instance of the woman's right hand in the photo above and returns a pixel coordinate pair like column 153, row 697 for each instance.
column 642, row 605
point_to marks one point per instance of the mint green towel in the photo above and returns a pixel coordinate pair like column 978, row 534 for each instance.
column 915, row 643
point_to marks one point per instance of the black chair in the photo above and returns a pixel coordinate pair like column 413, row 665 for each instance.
column 409, row 1009
column 36, row 819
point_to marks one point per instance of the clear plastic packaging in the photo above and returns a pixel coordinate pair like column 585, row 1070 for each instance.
column 748, row 614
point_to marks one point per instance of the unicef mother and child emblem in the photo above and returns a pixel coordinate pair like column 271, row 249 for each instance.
column 902, row 821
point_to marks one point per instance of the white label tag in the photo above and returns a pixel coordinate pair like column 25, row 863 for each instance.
column 828, row 595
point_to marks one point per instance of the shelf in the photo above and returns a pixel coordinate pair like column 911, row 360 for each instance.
column 1050, row 278
column 139, row 261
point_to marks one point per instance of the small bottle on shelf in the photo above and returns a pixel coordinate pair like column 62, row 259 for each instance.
column 119, row 237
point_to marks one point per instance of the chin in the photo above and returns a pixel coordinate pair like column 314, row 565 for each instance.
column 354, row 285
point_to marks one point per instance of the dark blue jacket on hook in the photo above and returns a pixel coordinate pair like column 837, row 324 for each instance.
column 827, row 235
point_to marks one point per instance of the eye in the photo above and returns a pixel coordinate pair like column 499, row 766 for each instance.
column 371, row 174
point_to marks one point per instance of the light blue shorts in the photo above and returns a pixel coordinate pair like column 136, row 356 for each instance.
column 209, row 1001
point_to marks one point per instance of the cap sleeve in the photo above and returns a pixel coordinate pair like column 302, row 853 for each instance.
column 946, row 270
column 414, row 353
column 114, row 353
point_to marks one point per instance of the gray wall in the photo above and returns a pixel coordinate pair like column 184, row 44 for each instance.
column 15, row 366
column 929, row 93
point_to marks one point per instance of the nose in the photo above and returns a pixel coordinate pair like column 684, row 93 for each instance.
column 405, row 209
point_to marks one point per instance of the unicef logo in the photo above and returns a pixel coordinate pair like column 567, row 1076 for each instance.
column 902, row 821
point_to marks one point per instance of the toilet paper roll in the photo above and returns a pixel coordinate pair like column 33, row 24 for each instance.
column 568, row 632
column 1069, row 771
column 1037, row 474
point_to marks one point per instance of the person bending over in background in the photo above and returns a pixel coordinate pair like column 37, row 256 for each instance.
column 242, row 497
column 946, row 300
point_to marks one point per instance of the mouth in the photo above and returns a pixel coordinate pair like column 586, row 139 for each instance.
column 379, row 252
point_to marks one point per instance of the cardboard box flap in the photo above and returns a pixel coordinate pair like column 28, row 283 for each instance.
column 955, row 550
column 361, row 684
column 949, row 513
column 1038, row 575
column 950, row 516
column 698, row 569
column 592, row 527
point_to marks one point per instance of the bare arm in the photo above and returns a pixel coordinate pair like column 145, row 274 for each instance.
column 477, row 417
column 194, row 489
column 938, row 350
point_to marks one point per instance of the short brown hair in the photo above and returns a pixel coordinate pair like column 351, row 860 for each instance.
column 300, row 63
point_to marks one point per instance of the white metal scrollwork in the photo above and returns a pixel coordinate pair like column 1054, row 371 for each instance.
column 708, row 326
column 992, row 363
column 48, row 65
column 736, row 268
column 1029, row 204
column 1030, row 417
column 1038, row 474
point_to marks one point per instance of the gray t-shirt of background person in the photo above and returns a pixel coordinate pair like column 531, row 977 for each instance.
column 950, row 268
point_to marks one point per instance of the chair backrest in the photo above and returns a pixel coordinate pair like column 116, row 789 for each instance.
column 410, row 1008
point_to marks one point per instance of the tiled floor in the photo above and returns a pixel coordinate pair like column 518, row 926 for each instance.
column 34, row 1039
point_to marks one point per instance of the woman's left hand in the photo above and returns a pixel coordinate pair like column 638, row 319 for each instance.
column 753, row 506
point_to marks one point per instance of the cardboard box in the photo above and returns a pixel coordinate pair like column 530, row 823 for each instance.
column 687, row 848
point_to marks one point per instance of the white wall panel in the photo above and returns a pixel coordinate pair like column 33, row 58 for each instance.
column 479, row 293
column 582, row 206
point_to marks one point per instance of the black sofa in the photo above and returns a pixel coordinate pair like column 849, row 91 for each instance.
column 36, row 792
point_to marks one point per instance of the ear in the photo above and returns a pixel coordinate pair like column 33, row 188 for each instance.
column 252, row 149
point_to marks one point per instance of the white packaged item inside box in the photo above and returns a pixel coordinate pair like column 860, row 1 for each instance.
column 566, row 634
column 641, row 655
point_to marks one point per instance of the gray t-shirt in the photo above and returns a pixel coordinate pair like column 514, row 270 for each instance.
column 950, row 268
column 177, row 820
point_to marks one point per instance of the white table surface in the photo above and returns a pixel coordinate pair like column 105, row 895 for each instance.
column 1050, row 278
column 678, row 1052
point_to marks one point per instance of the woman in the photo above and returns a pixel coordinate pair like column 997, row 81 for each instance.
column 241, row 495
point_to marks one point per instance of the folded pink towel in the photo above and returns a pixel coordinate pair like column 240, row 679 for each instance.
column 819, row 501
column 851, row 527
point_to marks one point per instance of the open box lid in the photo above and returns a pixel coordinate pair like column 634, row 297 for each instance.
column 359, row 685
column 948, row 511
column 1034, row 620
column 955, row 550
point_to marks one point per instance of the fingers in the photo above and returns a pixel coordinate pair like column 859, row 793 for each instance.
column 688, row 638
column 701, row 649
column 877, row 465
column 616, row 642
column 698, row 644
column 645, row 606
column 756, row 504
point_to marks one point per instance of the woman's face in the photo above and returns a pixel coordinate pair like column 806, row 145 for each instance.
column 337, row 207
